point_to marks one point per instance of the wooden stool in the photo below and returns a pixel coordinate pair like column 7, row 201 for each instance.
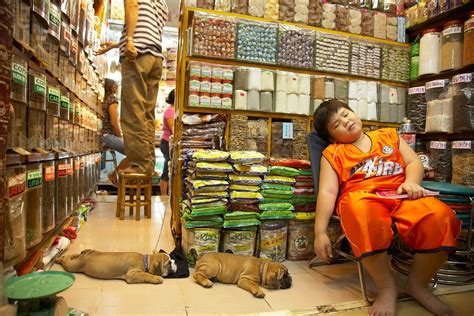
column 131, row 188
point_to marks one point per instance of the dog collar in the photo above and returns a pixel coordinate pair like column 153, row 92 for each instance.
column 145, row 262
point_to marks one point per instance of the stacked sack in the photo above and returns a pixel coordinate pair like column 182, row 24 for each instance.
column 242, row 219
column 203, row 131
column 301, row 227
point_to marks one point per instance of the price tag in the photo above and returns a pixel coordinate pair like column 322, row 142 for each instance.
column 462, row 144
column 287, row 131
column 416, row 90
column 462, row 78
column 438, row 145
column 435, row 84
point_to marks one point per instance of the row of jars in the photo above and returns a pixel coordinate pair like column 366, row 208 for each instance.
column 41, row 196
column 451, row 47
column 31, row 85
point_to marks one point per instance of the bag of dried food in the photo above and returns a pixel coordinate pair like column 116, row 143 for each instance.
column 463, row 103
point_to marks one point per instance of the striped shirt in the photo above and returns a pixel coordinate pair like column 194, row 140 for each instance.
column 152, row 16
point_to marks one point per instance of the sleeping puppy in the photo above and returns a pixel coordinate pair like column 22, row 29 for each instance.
column 130, row 266
column 245, row 271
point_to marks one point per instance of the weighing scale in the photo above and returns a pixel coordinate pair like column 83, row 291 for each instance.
column 35, row 293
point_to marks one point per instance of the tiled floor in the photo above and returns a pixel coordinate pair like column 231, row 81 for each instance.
column 325, row 285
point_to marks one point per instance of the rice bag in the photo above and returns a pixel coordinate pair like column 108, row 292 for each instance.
column 279, row 179
column 202, row 223
column 299, row 191
column 244, row 188
column 275, row 186
column 277, row 215
column 238, row 196
column 213, row 167
column 216, row 194
column 277, row 194
column 275, row 200
column 207, row 185
column 241, row 215
column 245, row 180
column 205, row 200
column 295, row 163
column 210, row 175
column 305, row 215
column 246, row 157
column 210, row 155
column 276, row 207
column 246, row 222
column 284, row 171
column 257, row 170
column 207, row 211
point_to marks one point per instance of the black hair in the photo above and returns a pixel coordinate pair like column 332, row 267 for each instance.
column 109, row 85
column 170, row 98
column 323, row 114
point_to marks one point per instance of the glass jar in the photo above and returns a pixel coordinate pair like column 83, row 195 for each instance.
column 15, row 244
column 34, row 204
column 451, row 46
column 49, row 194
column 430, row 45
column 19, row 78
column 61, row 186
column 37, row 89
column 468, row 56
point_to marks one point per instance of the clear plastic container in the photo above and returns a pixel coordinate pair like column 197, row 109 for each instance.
column 468, row 55
column 17, row 136
column 76, row 179
column 21, row 28
column 439, row 107
column 37, row 89
column 463, row 162
column 70, row 186
column 64, row 105
column 52, row 132
column 54, row 98
column 452, row 46
column 19, row 77
column 15, row 239
column 36, row 129
column 34, row 204
column 430, row 45
column 62, row 198
column 49, row 196
column 463, row 103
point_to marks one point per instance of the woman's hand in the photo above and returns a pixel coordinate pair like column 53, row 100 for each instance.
column 105, row 47
column 414, row 190
column 322, row 247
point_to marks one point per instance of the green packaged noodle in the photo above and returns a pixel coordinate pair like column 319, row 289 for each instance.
column 279, row 180
column 276, row 207
column 277, row 215
column 276, row 186
column 271, row 192
column 207, row 185
column 306, row 172
column 241, row 215
column 245, row 188
column 256, row 170
column 210, row 155
column 246, row 157
column 207, row 211
column 211, row 218
column 205, row 205
column 245, row 180
column 205, row 200
column 274, row 200
column 213, row 167
column 284, row 171
column 304, row 216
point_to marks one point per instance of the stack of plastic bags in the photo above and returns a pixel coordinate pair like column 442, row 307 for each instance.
column 206, row 189
column 203, row 131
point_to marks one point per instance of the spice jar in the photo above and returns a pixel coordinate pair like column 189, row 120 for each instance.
column 273, row 240
column 468, row 56
column 463, row 103
column 463, row 162
column 451, row 46
column 19, row 78
column 49, row 194
column 430, row 45
column 61, row 186
column 37, row 89
column 34, row 204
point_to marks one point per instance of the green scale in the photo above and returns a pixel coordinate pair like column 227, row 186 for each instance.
column 35, row 293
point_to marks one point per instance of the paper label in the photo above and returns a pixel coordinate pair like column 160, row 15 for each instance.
column 206, row 72
column 19, row 74
column 416, row 90
column 54, row 95
column 69, row 168
column 77, row 164
column 438, row 145
column 228, row 74
column 287, row 131
column 62, row 169
column 64, row 102
column 16, row 184
column 452, row 30
column 35, row 178
column 39, row 85
column 435, row 84
column 49, row 173
column 462, row 78
column 205, row 87
column 462, row 144
column 227, row 88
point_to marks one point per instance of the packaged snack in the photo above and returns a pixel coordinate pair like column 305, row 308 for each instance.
column 213, row 167
column 245, row 180
column 250, row 170
column 210, row 155
column 276, row 207
column 279, row 179
column 244, row 188
column 246, row 157
column 284, row 171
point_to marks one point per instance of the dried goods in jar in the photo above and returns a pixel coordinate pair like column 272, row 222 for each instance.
column 19, row 78
column 468, row 54
column 34, row 204
column 416, row 107
column 273, row 240
column 451, row 46
column 440, row 158
column 463, row 162
column 463, row 103
column 49, row 196
column 439, row 107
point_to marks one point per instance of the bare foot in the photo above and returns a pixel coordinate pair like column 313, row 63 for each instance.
column 426, row 298
column 385, row 303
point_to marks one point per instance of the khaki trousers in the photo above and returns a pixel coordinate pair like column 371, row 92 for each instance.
column 140, row 83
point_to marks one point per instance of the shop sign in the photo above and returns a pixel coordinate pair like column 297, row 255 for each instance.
column 287, row 131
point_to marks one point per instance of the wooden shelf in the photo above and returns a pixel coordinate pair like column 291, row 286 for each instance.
column 446, row 136
column 444, row 75
column 460, row 12
column 239, row 63
column 272, row 115
column 304, row 26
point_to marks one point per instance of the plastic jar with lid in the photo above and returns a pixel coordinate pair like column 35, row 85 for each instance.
column 430, row 45
column 37, row 89
column 19, row 78
column 273, row 240
column 451, row 45
column 49, row 196
column 34, row 202
column 468, row 56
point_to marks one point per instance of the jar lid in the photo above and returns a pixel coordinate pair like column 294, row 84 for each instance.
column 431, row 30
column 453, row 22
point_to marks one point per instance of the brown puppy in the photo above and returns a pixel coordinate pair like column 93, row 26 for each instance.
column 245, row 271
column 130, row 266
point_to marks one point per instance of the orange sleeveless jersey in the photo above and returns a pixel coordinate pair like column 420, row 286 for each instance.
column 382, row 168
